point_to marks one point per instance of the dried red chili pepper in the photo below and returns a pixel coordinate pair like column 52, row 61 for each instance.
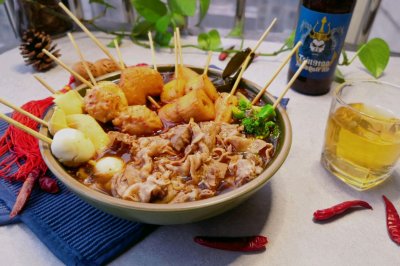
column 392, row 221
column 48, row 184
column 325, row 214
column 224, row 54
column 25, row 192
column 245, row 243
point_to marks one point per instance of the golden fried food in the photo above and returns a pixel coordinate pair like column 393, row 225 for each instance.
column 139, row 82
column 104, row 66
column 138, row 120
column 223, row 107
column 79, row 68
column 173, row 90
column 202, row 82
column 195, row 104
column 186, row 73
column 105, row 101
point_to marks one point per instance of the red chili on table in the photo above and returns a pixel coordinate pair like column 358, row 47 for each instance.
column 321, row 215
column 48, row 184
column 244, row 243
column 392, row 221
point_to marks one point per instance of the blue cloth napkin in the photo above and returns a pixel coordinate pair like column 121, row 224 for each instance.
column 77, row 233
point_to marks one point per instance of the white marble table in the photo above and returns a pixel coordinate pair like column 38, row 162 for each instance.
column 282, row 210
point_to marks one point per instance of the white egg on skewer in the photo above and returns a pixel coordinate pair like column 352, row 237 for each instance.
column 71, row 147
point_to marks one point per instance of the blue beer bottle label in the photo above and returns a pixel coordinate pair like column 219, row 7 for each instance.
column 322, row 35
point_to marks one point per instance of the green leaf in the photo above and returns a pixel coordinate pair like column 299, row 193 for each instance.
column 237, row 30
column 2, row 2
column 101, row 2
column 289, row 42
column 118, row 39
column 151, row 10
column 339, row 77
column 141, row 28
column 184, row 7
column 178, row 19
column 204, row 5
column 202, row 40
column 374, row 55
column 214, row 39
column 163, row 39
column 162, row 23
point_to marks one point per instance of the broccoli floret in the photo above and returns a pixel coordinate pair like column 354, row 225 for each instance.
column 266, row 112
column 244, row 105
column 237, row 113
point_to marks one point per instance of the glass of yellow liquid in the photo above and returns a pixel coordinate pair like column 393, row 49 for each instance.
column 362, row 137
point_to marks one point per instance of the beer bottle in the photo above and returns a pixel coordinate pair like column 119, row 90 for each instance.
column 322, row 26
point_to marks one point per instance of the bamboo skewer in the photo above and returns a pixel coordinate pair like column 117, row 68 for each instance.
column 266, row 32
column 85, row 65
column 153, row 54
column 176, row 56
column 292, row 80
column 153, row 102
column 207, row 63
column 26, row 129
column 178, row 41
column 262, row 91
column 246, row 62
column 91, row 36
column 22, row 111
column 46, row 85
column 58, row 61
column 121, row 61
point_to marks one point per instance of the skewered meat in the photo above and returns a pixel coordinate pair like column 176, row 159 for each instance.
column 105, row 66
column 105, row 101
column 79, row 68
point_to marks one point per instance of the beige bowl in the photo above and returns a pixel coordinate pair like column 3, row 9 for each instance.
column 178, row 213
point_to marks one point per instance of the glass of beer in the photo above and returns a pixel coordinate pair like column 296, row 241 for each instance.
column 362, row 137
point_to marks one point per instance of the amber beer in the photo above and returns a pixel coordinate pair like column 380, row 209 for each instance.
column 322, row 28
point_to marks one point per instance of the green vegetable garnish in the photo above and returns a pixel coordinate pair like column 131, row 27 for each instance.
column 257, row 121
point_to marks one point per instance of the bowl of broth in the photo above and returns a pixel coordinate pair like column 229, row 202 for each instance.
column 183, row 173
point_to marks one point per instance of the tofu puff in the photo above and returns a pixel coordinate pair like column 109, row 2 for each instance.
column 223, row 107
column 196, row 104
column 139, row 82
column 105, row 101
column 138, row 120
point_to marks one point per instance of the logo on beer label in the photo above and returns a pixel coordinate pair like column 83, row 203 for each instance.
column 322, row 36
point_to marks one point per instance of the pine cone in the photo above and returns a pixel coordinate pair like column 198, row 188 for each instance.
column 31, row 49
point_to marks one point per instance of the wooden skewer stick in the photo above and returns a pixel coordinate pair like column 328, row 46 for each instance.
column 22, row 111
column 262, row 91
column 292, row 80
column 246, row 62
column 178, row 41
column 207, row 63
column 266, row 32
column 46, row 85
column 85, row 65
column 121, row 61
column 91, row 36
column 153, row 102
column 58, row 61
column 28, row 130
column 153, row 54
column 176, row 56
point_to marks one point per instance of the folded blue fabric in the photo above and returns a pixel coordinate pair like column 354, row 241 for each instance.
column 74, row 231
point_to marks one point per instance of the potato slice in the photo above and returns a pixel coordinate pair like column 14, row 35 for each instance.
column 186, row 73
column 70, row 102
column 89, row 126
column 196, row 105
column 202, row 82
column 57, row 121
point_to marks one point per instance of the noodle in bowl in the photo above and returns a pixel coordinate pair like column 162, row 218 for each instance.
column 174, row 213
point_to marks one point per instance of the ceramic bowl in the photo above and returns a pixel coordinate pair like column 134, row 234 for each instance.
column 178, row 213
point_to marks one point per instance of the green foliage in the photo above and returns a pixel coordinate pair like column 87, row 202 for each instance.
column 209, row 41
column 204, row 5
column 374, row 55
column 118, row 39
column 184, row 7
column 2, row 2
column 151, row 10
